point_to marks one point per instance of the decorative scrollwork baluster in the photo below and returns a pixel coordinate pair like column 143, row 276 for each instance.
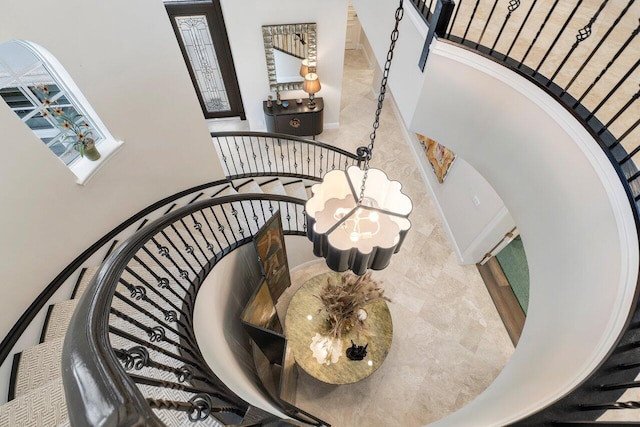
column 201, row 407
column 184, row 374
column 156, row 334
column 138, row 292
column 134, row 358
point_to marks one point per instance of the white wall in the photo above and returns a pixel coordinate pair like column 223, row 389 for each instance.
column 572, row 213
column 472, row 230
column 244, row 21
column 124, row 57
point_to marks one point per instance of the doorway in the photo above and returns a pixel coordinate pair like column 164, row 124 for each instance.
column 202, row 36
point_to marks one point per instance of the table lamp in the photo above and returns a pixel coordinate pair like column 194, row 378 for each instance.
column 312, row 86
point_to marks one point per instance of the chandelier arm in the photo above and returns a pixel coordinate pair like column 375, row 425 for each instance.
column 383, row 90
column 342, row 220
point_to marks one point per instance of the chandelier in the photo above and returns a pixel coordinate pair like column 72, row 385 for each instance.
column 360, row 230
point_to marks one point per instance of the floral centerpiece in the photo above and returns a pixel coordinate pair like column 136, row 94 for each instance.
column 344, row 302
column 75, row 130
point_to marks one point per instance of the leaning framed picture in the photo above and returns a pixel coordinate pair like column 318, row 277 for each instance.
column 272, row 254
column 440, row 157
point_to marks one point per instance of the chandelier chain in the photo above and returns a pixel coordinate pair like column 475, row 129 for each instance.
column 383, row 90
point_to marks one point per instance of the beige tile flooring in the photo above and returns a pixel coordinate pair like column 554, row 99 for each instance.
column 449, row 342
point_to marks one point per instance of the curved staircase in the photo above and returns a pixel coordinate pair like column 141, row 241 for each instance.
column 36, row 396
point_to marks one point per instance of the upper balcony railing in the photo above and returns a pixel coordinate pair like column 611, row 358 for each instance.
column 583, row 53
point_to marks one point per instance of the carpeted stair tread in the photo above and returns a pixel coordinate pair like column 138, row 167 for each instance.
column 43, row 407
column 273, row 187
column 38, row 365
column 171, row 417
column 296, row 189
column 85, row 278
column 59, row 319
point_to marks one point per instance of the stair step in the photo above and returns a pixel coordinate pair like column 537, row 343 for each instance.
column 273, row 187
column 225, row 191
column 296, row 189
column 249, row 186
column 43, row 407
column 37, row 366
column 58, row 320
column 83, row 281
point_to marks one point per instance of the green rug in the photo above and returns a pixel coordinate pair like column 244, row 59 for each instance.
column 513, row 261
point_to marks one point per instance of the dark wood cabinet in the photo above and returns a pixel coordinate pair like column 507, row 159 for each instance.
column 296, row 119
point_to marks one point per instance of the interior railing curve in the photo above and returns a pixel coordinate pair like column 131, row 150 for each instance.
column 585, row 55
column 14, row 334
column 250, row 154
column 137, row 316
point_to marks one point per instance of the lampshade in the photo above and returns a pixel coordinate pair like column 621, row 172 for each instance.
column 357, row 236
column 311, row 83
column 304, row 68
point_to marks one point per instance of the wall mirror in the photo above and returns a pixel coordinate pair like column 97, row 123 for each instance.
column 285, row 47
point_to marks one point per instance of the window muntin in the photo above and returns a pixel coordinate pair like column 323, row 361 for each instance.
column 33, row 90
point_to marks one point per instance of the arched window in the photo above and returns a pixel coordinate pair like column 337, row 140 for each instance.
column 37, row 88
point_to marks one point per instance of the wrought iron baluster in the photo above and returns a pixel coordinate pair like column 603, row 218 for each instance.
column 165, row 326
column 308, row 160
column 609, row 406
column 524, row 22
column 513, row 5
column 210, row 246
column 183, row 273
column 235, row 167
column 475, row 9
column 235, row 213
column 151, row 346
column 198, row 226
column 535, row 39
column 615, row 88
column 620, row 112
column 600, row 43
column 155, row 291
column 188, row 248
column 140, row 292
column 246, row 156
column 625, row 134
column 455, row 16
column 281, row 154
column 253, row 154
column 166, row 254
column 582, row 35
column 221, row 228
column 564, row 27
column 615, row 57
column 164, row 282
column 486, row 24
column 155, row 334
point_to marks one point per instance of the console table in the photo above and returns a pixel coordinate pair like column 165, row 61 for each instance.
column 296, row 119
column 304, row 320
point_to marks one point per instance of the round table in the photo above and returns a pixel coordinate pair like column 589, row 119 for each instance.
column 305, row 320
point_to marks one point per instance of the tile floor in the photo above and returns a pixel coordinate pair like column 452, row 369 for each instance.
column 449, row 342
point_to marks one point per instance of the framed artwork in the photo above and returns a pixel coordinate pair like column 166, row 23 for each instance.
column 269, row 243
column 440, row 157
column 260, row 311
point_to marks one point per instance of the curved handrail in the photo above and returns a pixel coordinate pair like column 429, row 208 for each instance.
column 249, row 154
column 14, row 334
column 618, row 369
column 98, row 390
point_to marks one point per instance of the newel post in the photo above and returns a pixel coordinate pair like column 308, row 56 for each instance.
column 438, row 27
